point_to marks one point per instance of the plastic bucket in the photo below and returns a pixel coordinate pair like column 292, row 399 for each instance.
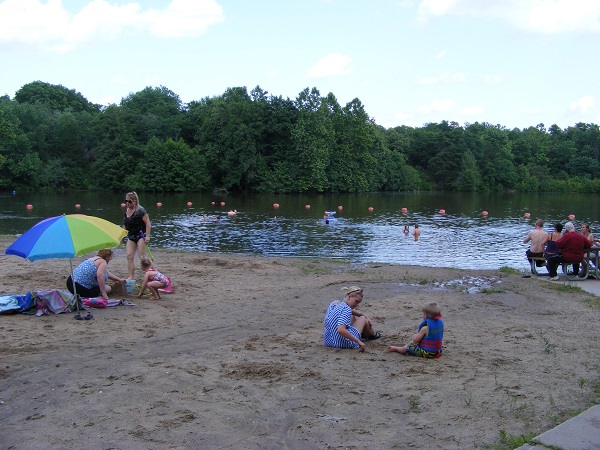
column 129, row 285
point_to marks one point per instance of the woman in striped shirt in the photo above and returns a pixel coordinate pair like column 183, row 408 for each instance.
column 344, row 325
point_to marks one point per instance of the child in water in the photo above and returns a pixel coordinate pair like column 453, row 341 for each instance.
column 427, row 343
column 153, row 280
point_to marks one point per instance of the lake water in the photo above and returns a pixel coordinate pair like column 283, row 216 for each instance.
column 462, row 237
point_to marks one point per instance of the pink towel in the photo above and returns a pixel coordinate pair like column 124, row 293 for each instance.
column 95, row 302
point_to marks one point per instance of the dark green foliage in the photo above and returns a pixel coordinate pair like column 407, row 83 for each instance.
column 55, row 97
column 52, row 138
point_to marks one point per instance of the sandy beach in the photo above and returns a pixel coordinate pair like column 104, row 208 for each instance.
column 234, row 358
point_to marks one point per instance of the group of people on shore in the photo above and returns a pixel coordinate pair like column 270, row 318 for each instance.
column 562, row 245
column 344, row 326
column 89, row 279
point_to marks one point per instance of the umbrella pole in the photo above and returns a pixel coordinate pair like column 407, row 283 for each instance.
column 74, row 286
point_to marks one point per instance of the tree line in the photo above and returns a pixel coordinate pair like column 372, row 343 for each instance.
column 53, row 138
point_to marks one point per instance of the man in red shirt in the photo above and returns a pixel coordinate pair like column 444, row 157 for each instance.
column 571, row 246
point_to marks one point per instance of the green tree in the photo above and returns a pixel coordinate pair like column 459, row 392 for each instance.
column 56, row 97
column 172, row 166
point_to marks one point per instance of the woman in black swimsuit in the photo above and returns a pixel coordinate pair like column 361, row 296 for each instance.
column 137, row 224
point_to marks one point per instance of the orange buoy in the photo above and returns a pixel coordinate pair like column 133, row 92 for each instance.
column 158, row 204
column 442, row 211
column 212, row 203
column 77, row 205
column 527, row 215
column 29, row 206
column 340, row 208
column 122, row 205
column 275, row 205
column 571, row 216
column 370, row 208
column 222, row 203
column 484, row 213
column 189, row 203
column 307, row 206
column 404, row 210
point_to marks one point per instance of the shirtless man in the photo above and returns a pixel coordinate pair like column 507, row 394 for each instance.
column 417, row 232
column 538, row 238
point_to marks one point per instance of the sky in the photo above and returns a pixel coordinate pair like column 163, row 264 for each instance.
column 513, row 63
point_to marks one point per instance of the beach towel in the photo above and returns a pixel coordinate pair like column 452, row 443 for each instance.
column 13, row 304
column 55, row 301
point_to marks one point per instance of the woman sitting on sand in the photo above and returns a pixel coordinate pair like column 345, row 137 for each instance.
column 344, row 326
column 91, row 276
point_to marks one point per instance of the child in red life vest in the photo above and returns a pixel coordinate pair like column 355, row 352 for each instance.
column 153, row 280
column 427, row 343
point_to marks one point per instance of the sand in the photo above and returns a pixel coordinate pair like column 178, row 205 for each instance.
column 234, row 358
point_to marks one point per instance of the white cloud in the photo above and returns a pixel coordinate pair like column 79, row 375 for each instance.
column 582, row 105
column 475, row 110
column 332, row 65
column 440, row 55
column 402, row 116
column 493, row 79
column 538, row 16
column 435, row 8
column 457, row 77
column 437, row 105
column 49, row 26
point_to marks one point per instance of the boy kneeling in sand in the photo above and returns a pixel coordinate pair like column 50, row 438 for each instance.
column 153, row 279
column 427, row 343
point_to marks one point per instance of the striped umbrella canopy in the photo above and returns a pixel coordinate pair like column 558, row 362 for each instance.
column 66, row 236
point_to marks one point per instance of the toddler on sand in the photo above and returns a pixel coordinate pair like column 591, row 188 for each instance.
column 153, row 280
column 427, row 343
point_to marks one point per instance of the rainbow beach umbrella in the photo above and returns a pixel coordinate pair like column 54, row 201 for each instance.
column 66, row 236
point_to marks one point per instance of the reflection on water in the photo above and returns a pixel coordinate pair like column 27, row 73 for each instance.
column 461, row 238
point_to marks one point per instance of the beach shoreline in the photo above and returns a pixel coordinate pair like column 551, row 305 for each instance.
column 234, row 358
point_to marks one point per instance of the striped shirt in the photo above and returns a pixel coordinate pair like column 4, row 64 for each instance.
column 338, row 313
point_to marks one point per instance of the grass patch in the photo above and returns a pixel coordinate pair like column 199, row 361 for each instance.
column 595, row 387
column 510, row 270
column 509, row 441
column 315, row 269
column 548, row 346
column 414, row 401
column 559, row 287
column 593, row 302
